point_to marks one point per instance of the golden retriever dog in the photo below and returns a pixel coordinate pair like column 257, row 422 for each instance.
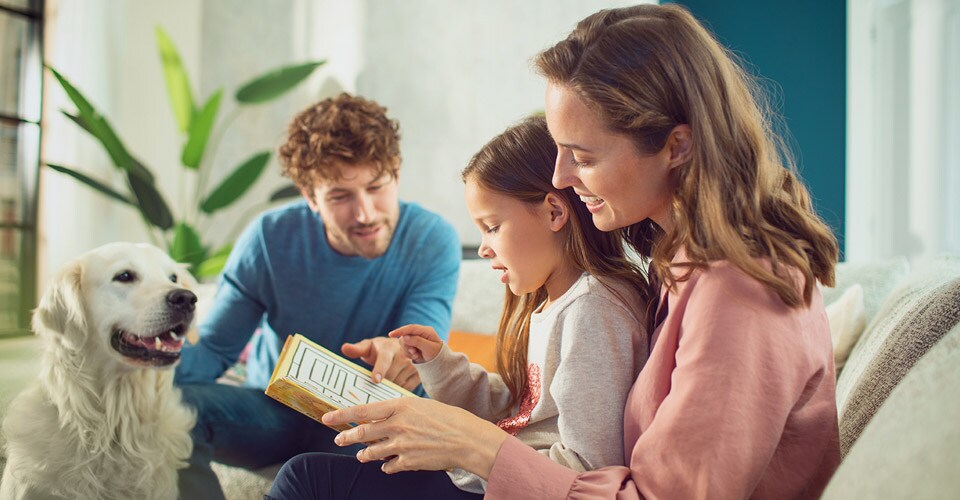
column 104, row 419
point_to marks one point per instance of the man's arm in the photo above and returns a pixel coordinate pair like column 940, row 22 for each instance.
column 430, row 300
column 234, row 315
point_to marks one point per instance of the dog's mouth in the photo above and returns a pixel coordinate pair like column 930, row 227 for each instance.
column 160, row 349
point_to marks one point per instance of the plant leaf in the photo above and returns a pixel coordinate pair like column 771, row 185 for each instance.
column 186, row 246
column 178, row 85
column 98, row 126
column 275, row 83
column 150, row 202
column 200, row 129
column 79, row 121
column 95, row 184
column 289, row 191
column 81, row 102
column 214, row 264
column 237, row 183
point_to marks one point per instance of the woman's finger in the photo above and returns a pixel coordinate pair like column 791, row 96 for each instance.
column 362, row 413
column 380, row 450
column 362, row 434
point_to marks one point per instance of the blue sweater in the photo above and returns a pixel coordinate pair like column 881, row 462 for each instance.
column 284, row 277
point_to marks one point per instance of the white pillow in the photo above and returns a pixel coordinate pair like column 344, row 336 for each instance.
column 847, row 319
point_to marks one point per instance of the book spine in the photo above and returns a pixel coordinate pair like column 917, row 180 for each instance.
column 299, row 399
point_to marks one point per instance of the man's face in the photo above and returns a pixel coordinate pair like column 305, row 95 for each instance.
column 360, row 209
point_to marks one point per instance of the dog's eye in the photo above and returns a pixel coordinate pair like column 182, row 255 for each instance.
column 125, row 277
column 173, row 278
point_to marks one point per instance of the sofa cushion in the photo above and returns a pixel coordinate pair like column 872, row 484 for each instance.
column 480, row 348
column 915, row 316
column 878, row 278
column 479, row 299
column 909, row 449
column 847, row 321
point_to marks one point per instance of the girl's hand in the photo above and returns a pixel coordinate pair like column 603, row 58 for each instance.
column 387, row 356
column 420, row 343
column 420, row 434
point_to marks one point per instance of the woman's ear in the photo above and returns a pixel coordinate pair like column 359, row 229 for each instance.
column 680, row 142
column 558, row 209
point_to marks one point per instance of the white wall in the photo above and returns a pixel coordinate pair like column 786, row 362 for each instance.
column 903, row 128
column 454, row 73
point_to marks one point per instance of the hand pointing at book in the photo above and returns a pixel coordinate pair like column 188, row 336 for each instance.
column 388, row 360
column 421, row 343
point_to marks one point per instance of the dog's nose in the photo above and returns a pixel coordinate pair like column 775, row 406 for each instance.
column 183, row 300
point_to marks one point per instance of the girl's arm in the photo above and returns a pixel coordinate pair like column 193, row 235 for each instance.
column 452, row 378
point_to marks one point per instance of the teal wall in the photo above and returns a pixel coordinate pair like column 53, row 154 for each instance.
column 800, row 46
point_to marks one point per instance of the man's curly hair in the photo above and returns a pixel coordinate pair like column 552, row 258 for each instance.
column 347, row 129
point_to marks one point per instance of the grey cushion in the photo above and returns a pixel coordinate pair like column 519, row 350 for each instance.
column 910, row 448
column 916, row 315
column 878, row 279
column 479, row 299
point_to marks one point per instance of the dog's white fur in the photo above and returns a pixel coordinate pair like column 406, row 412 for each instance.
column 97, row 424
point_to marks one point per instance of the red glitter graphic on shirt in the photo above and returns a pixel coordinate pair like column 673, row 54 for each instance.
column 528, row 400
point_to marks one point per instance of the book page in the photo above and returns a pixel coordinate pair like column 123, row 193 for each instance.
column 335, row 380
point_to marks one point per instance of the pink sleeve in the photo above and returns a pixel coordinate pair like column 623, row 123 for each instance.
column 738, row 374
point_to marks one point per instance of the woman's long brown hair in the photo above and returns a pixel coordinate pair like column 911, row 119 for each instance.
column 519, row 163
column 648, row 68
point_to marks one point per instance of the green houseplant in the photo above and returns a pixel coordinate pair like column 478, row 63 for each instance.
column 180, row 234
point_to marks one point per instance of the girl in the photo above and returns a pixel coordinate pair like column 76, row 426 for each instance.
column 572, row 335
column 659, row 131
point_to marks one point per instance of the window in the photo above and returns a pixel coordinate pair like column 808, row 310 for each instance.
column 20, row 90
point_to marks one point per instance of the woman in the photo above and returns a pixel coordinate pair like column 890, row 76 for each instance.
column 661, row 133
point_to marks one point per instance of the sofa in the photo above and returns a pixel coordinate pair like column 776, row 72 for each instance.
column 898, row 392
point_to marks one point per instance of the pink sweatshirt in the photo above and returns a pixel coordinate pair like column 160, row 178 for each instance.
column 736, row 401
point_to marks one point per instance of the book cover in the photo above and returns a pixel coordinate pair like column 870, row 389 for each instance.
column 314, row 380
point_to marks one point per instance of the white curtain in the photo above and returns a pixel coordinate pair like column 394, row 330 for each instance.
column 903, row 128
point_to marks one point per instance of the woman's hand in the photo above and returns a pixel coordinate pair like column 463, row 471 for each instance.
column 421, row 343
column 420, row 434
column 387, row 357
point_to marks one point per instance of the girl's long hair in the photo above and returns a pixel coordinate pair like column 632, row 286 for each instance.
column 519, row 163
column 648, row 68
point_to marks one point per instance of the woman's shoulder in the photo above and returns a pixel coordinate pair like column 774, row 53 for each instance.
column 726, row 277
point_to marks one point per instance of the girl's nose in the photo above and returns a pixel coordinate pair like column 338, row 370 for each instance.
column 485, row 252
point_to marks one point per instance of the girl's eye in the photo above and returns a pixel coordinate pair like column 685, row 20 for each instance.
column 493, row 230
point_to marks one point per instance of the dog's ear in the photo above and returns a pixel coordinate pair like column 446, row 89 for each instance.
column 61, row 307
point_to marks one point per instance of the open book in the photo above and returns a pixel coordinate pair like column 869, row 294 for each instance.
column 313, row 381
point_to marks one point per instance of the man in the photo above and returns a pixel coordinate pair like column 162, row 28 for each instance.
column 343, row 267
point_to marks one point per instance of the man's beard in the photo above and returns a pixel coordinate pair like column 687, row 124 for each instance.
column 371, row 249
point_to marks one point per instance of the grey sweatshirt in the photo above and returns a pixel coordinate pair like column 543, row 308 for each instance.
column 585, row 352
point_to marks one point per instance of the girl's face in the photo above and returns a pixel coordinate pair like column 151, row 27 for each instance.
column 518, row 238
column 619, row 186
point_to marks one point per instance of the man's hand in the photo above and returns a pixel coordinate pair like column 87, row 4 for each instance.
column 421, row 343
column 388, row 361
